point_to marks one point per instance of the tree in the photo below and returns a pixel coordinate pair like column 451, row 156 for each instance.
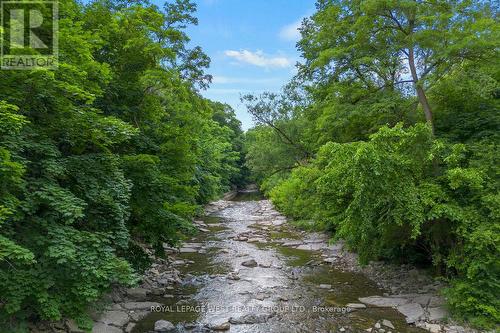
column 388, row 44
column 377, row 177
column 113, row 151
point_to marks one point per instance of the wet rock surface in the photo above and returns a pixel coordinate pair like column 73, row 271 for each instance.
column 249, row 271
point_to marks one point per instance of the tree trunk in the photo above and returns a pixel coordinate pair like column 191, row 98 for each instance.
column 422, row 98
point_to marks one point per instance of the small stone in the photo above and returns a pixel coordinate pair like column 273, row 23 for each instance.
column 164, row 326
column 356, row 306
column 325, row 286
column 342, row 329
column 221, row 327
column 377, row 325
column 265, row 265
column 387, row 323
column 433, row 328
column 253, row 240
column 249, row 263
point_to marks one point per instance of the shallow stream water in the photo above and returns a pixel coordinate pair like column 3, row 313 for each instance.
column 290, row 290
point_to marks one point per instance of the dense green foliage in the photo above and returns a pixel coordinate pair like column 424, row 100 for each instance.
column 114, row 148
column 388, row 137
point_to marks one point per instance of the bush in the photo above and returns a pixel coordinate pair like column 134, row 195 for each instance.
column 295, row 196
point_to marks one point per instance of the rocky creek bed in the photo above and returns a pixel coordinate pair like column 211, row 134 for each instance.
column 250, row 271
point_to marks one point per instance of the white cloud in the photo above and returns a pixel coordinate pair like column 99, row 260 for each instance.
column 259, row 59
column 291, row 31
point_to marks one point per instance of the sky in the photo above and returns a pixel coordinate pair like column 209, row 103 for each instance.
column 251, row 44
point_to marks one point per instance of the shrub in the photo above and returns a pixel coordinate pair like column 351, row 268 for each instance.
column 405, row 196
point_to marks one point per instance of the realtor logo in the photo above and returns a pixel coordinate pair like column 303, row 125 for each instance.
column 29, row 34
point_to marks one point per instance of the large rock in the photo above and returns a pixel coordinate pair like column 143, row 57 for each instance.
column 412, row 312
column 164, row 326
column 388, row 302
column 115, row 318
